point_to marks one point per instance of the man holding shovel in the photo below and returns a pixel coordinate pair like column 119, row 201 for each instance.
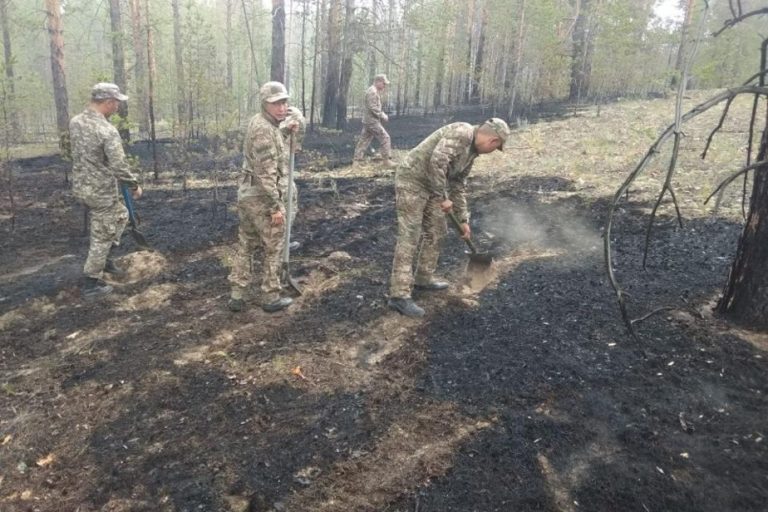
column 373, row 116
column 429, row 184
column 98, row 163
column 261, row 197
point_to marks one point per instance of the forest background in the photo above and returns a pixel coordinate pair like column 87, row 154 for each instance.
column 192, row 67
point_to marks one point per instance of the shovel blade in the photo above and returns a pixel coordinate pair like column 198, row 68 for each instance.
column 479, row 262
column 141, row 241
column 290, row 282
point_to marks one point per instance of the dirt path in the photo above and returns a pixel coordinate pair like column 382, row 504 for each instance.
column 521, row 392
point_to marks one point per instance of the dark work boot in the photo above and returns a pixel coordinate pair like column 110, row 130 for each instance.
column 112, row 268
column 277, row 305
column 405, row 306
column 236, row 305
column 93, row 288
column 432, row 285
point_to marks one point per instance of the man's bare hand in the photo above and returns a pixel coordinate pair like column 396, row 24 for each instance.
column 278, row 218
column 384, row 117
column 467, row 232
column 136, row 193
column 446, row 206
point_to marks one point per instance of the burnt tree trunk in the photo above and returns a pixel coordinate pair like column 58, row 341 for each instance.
column 478, row 70
column 152, row 72
column 349, row 50
column 745, row 297
column 118, row 65
column 55, row 31
column 277, row 71
column 331, row 78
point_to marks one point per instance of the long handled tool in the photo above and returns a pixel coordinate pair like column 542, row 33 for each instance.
column 478, row 261
column 286, row 271
column 133, row 219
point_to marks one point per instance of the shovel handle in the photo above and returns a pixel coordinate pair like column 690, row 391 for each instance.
column 457, row 225
column 129, row 204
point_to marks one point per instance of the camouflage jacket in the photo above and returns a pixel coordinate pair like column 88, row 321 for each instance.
column 440, row 165
column 266, row 159
column 98, row 159
column 372, row 109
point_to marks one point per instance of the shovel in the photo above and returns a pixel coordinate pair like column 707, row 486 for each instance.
column 478, row 261
column 285, row 273
column 133, row 219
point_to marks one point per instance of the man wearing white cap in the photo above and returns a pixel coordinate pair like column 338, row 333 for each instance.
column 98, row 164
column 373, row 116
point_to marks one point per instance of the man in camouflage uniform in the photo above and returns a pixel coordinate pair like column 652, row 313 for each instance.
column 98, row 163
column 261, row 195
column 373, row 116
column 430, row 183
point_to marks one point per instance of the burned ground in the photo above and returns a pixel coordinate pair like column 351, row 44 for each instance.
column 526, row 394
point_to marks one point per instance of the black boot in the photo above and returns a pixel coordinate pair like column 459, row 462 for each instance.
column 111, row 268
column 431, row 285
column 277, row 305
column 93, row 288
column 405, row 306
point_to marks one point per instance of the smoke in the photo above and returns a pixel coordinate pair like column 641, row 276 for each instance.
column 540, row 226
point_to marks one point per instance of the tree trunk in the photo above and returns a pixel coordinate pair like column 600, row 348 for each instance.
column 518, row 60
column 467, row 89
column 437, row 97
column 139, row 66
column 331, row 75
column 680, row 60
column 349, row 48
column 313, row 94
column 151, row 93
column 228, row 36
column 745, row 297
column 118, row 65
column 303, row 59
column 478, row 71
column 277, row 72
column 55, row 32
column 179, row 60
column 581, row 65
column 10, row 89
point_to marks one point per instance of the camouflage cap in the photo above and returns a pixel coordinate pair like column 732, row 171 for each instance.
column 107, row 91
column 381, row 77
column 500, row 127
column 271, row 92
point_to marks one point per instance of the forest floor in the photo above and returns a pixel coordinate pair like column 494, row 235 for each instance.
column 520, row 393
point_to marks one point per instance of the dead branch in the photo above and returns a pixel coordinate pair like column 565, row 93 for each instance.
column 733, row 176
column 733, row 21
column 654, row 149
column 717, row 128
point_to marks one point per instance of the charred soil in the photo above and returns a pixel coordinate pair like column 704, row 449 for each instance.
column 524, row 393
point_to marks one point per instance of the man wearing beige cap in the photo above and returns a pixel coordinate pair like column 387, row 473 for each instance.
column 261, row 195
column 373, row 116
column 430, row 183
column 98, row 164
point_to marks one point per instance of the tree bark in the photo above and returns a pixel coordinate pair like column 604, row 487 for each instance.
column 181, row 108
column 277, row 71
column 581, row 61
column 313, row 95
column 228, row 42
column 151, row 92
column 518, row 60
column 349, row 50
column 118, row 65
column 331, row 75
column 139, row 66
column 745, row 297
column 478, row 69
column 55, row 31
column 10, row 89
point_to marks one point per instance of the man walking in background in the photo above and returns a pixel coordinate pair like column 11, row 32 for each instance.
column 98, row 164
column 261, row 195
column 430, row 183
column 373, row 116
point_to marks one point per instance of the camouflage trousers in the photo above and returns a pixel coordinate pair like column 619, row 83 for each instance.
column 257, row 232
column 420, row 228
column 107, row 224
column 371, row 131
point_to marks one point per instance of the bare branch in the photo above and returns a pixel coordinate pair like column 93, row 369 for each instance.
column 733, row 21
column 717, row 128
column 735, row 175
